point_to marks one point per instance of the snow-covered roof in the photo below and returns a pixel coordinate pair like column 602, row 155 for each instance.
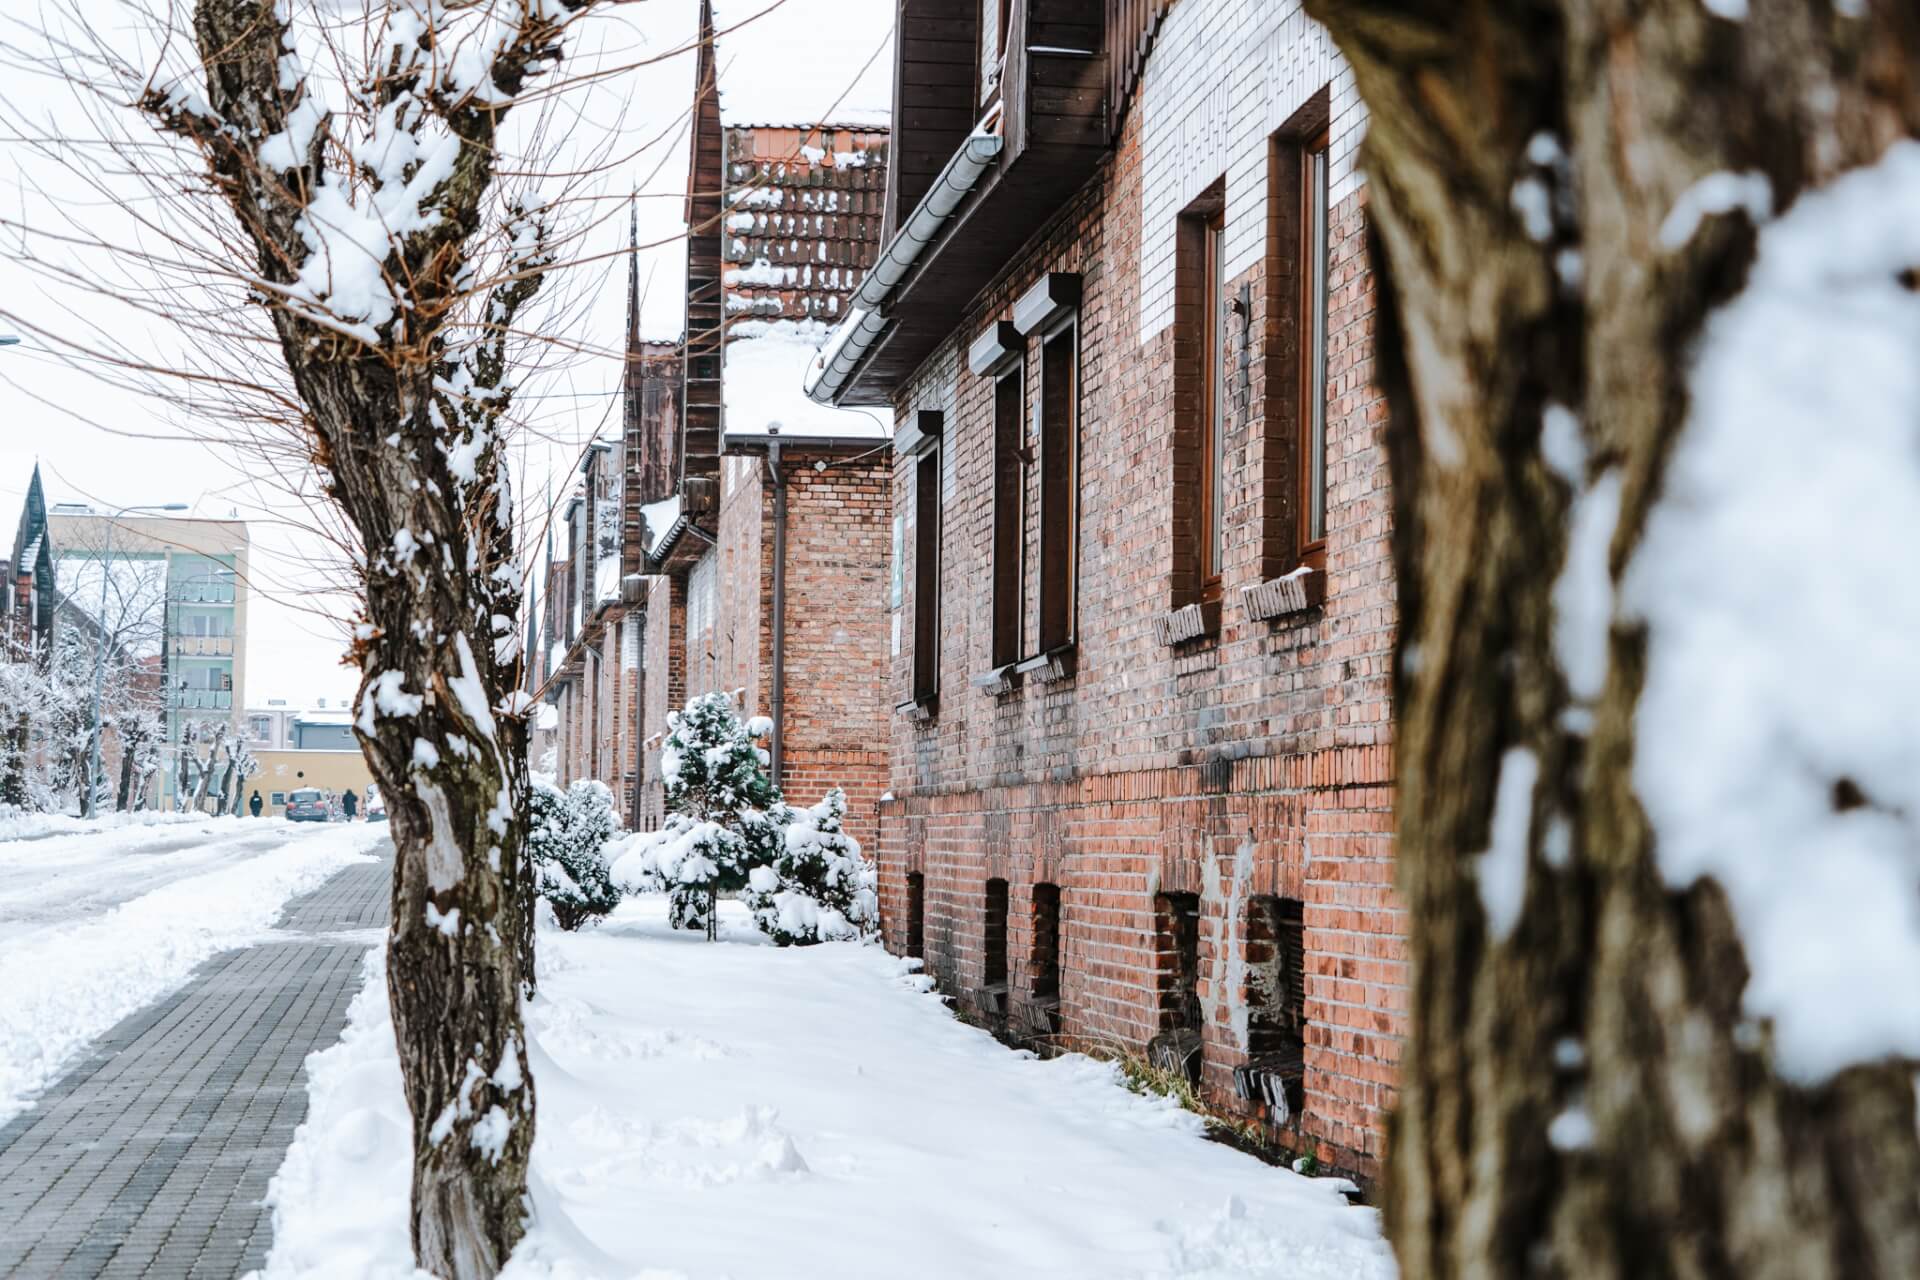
column 764, row 386
column 659, row 519
column 805, row 61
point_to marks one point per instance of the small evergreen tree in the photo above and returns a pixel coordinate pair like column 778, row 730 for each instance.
column 567, row 838
column 725, row 813
column 818, row 887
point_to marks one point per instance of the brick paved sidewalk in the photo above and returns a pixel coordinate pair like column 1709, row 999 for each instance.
column 152, row 1157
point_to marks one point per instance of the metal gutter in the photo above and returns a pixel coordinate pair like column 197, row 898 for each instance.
column 779, row 608
column 867, row 319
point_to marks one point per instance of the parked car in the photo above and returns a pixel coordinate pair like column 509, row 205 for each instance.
column 376, row 807
column 309, row 804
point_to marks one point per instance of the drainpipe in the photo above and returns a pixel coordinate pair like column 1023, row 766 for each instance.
column 779, row 604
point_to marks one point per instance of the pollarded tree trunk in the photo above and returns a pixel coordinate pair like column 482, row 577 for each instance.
column 1588, row 1090
column 405, row 418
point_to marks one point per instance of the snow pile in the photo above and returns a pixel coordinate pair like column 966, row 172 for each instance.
column 1779, row 727
column 63, row 986
column 818, row 887
column 23, row 824
column 753, row 1111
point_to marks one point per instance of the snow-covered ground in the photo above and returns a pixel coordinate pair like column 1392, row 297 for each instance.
column 95, row 925
column 737, row 1110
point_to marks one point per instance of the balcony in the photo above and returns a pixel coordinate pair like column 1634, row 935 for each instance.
column 202, row 700
column 202, row 593
column 202, row 646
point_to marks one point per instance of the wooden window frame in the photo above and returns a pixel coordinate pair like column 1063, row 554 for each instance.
column 1059, row 461
column 1009, row 512
column 1211, row 380
column 926, row 576
column 1313, row 247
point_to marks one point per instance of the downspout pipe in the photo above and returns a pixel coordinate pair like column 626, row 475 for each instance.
column 779, row 606
column 865, row 319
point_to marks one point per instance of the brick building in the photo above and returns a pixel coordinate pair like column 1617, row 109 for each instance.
column 1141, row 753
column 738, row 532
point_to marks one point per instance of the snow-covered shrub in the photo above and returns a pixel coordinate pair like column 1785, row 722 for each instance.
column 567, row 840
column 724, row 814
column 818, row 887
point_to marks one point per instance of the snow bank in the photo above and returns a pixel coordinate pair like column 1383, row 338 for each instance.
column 62, row 987
column 758, row 1111
column 16, row 824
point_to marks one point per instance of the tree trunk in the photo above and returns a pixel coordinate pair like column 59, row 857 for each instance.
column 1610, row 996
column 13, row 780
column 129, row 747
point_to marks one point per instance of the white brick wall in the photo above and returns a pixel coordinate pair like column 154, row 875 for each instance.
column 1223, row 77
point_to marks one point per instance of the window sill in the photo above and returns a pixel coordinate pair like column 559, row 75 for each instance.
column 992, row 999
column 1188, row 624
column 1305, row 588
column 1275, row 1080
column 1053, row 665
column 998, row 682
column 919, row 710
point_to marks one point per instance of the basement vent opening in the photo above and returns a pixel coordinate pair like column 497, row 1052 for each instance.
column 993, row 987
column 1276, row 1007
column 1177, row 976
column 1045, row 965
column 916, row 915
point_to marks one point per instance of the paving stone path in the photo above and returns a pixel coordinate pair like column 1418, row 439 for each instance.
column 152, row 1157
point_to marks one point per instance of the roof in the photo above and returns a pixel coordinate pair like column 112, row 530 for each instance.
column 805, row 62
column 765, row 389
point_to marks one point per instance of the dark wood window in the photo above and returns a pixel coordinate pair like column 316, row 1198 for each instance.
column 1178, row 960
column 1009, row 513
column 1212, row 380
column 1059, row 449
column 926, row 576
column 1313, row 349
column 1276, row 979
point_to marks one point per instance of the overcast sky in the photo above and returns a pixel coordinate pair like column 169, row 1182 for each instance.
column 102, row 444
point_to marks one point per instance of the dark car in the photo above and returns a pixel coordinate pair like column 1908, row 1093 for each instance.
column 308, row 805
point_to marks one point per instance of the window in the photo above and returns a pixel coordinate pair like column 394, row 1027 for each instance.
column 1276, row 978
column 1313, row 348
column 926, row 576
column 1059, row 434
column 278, row 798
column 994, row 941
column 916, row 914
column 1009, row 512
column 1202, row 410
column 1046, row 943
column 1177, row 916
column 1212, row 381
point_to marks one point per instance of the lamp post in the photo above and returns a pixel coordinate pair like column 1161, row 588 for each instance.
column 100, row 655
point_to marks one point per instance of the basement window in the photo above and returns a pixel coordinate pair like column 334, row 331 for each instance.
column 916, row 915
column 1046, row 944
column 993, row 985
column 1177, row 1049
column 1274, row 1072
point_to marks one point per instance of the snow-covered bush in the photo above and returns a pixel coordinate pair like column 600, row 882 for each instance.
column 724, row 814
column 567, row 840
column 818, row 887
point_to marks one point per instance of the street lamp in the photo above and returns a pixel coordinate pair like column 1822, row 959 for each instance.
column 100, row 655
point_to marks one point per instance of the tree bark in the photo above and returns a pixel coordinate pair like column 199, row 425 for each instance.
column 1611, row 992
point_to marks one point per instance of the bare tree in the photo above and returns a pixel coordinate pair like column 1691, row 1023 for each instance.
column 368, row 222
column 1572, row 202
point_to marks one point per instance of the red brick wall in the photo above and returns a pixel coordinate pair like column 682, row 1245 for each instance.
column 1256, row 761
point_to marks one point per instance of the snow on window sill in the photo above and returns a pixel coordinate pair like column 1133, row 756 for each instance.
column 1304, row 588
column 920, row 710
column 998, row 682
column 1055, row 664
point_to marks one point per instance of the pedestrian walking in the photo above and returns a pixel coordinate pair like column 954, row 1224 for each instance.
column 350, row 801
column 253, row 805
